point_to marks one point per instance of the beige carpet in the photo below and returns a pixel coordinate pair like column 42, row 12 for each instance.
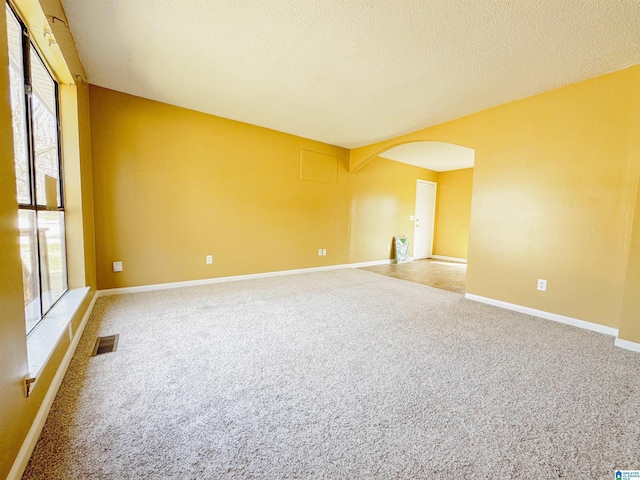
column 338, row 374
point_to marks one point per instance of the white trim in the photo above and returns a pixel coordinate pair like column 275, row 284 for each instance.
column 234, row 278
column 450, row 259
column 20, row 463
column 627, row 345
column 595, row 327
column 44, row 339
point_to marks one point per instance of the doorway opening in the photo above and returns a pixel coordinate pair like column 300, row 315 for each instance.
column 441, row 216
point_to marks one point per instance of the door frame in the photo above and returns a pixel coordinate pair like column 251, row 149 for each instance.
column 433, row 217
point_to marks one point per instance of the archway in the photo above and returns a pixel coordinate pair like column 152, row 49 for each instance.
column 441, row 226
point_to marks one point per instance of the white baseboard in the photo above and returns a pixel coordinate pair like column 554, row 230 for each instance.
column 363, row 264
column 595, row 327
column 20, row 463
column 450, row 259
column 234, row 278
column 627, row 345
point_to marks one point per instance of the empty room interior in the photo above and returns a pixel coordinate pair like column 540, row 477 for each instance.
column 319, row 239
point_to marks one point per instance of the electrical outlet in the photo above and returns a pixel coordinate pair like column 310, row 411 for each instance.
column 117, row 266
column 542, row 285
column 411, row 218
column 324, row 252
column 319, row 252
column 209, row 259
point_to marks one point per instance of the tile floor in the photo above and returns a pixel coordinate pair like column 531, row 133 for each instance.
column 435, row 273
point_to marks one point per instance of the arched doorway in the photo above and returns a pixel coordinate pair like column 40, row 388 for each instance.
column 442, row 212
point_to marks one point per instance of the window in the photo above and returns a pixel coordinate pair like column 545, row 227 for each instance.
column 36, row 138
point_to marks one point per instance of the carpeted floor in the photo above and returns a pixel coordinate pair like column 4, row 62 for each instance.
column 338, row 374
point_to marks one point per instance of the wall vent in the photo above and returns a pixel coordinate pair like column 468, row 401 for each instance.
column 105, row 345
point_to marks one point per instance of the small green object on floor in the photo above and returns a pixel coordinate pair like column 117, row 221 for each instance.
column 402, row 249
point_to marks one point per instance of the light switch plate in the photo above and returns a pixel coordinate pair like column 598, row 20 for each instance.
column 117, row 266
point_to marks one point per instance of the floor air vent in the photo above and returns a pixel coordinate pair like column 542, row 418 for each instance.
column 105, row 345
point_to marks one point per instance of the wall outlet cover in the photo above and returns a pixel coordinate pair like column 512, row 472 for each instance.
column 542, row 285
column 209, row 259
column 117, row 266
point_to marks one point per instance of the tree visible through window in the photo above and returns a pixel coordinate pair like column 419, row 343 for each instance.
column 36, row 138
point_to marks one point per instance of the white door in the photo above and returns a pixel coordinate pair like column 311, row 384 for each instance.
column 424, row 219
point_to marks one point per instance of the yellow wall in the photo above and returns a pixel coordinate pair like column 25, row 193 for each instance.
column 174, row 185
column 453, row 213
column 86, row 175
column 554, row 186
column 16, row 411
column 383, row 196
column 78, row 149
column 630, row 319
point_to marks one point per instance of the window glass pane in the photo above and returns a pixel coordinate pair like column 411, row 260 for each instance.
column 53, row 261
column 28, row 253
column 16, row 79
column 37, row 168
column 45, row 134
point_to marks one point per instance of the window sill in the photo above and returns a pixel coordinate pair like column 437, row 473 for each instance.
column 43, row 340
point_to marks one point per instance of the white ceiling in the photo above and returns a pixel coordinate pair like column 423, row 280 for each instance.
column 436, row 156
column 349, row 72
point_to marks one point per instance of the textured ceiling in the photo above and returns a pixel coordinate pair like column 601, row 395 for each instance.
column 349, row 72
column 436, row 156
